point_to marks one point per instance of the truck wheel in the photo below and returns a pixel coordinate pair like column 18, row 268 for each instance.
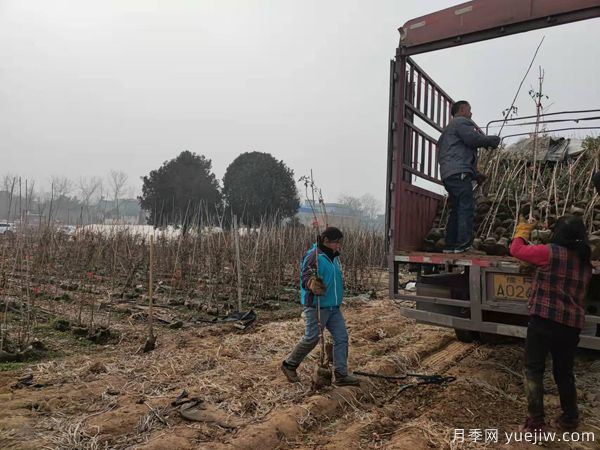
column 494, row 339
column 467, row 336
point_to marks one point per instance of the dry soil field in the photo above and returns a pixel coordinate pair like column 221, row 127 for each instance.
column 75, row 313
column 114, row 396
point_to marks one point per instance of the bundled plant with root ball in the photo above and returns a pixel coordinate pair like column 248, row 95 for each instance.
column 519, row 185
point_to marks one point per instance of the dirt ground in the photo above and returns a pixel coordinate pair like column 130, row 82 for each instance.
column 114, row 396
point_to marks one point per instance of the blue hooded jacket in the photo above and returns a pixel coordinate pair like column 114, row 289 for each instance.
column 331, row 274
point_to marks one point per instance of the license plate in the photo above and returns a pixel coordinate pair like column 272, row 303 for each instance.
column 512, row 287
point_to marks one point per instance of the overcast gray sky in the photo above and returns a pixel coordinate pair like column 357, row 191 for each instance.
column 89, row 86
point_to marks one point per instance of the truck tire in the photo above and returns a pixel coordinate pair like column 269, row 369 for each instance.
column 496, row 339
column 466, row 336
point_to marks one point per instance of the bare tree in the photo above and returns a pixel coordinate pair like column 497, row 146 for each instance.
column 63, row 186
column 9, row 183
column 41, row 201
column 29, row 197
column 117, row 180
column 87, row 190
column 351, row 202
column 60, row 187
column 366, row 206
column 370, row 206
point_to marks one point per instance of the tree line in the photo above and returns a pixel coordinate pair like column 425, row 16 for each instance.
column 87, row 200
column 185, row 192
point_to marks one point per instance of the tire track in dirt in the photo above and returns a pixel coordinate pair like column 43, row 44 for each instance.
column 438, row 360
column 289, row 424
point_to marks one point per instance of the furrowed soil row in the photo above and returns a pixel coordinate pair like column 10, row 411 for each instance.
column 120, row 399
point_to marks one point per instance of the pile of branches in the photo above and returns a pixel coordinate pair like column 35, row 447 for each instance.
column 519, row 187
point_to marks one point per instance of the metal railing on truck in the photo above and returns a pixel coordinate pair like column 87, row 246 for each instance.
column 416, row 102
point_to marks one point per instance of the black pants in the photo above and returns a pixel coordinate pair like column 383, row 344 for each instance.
column 459, row 229
column 561, row 341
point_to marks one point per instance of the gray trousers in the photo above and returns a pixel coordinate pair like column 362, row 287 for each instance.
column 332, row 319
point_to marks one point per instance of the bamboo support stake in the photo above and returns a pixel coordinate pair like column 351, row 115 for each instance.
column 151, row 341
column 150, row 288
column 238, row 263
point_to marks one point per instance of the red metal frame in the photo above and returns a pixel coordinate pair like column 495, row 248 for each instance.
column 418, row 101
column 479, row 20
column 441, row 259
column 415, row 99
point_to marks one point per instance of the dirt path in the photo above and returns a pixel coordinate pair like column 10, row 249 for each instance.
column 117, row 398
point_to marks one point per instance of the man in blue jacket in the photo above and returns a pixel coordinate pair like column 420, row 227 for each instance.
column 458, row 146
column 321, row 283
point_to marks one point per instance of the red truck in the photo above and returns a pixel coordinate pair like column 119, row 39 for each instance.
column 476, row 295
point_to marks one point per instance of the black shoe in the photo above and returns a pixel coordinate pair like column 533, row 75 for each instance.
column 533, row 425
column 565, row 423
column 346, row 380
column 449, row 249
column 462, row 248
column 290, row 372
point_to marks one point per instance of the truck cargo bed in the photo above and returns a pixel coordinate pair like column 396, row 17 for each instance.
column 464, row 259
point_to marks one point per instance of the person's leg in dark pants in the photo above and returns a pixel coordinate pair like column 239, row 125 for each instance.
column 452, row 224
column 459, row 230
column 563, row 348
column 466, row 212
column 537, row 347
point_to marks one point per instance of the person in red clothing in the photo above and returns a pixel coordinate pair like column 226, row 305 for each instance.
column 556, row 314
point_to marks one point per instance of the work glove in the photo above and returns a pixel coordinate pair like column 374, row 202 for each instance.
column 494, row 141
column 523, row 229
column 316, row 286
column 480, row 178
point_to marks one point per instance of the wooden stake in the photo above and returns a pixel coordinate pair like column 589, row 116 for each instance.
column 238, row 262
column 151, row 341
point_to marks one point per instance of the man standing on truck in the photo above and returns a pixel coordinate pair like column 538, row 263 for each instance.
column 458, row 146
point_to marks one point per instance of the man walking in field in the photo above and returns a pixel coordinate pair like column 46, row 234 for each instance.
column 321, row 284
column 458, row 146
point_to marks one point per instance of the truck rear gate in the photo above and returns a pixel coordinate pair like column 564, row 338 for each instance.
column 468, row 293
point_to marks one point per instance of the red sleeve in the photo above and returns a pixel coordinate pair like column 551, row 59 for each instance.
column 538, row 255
